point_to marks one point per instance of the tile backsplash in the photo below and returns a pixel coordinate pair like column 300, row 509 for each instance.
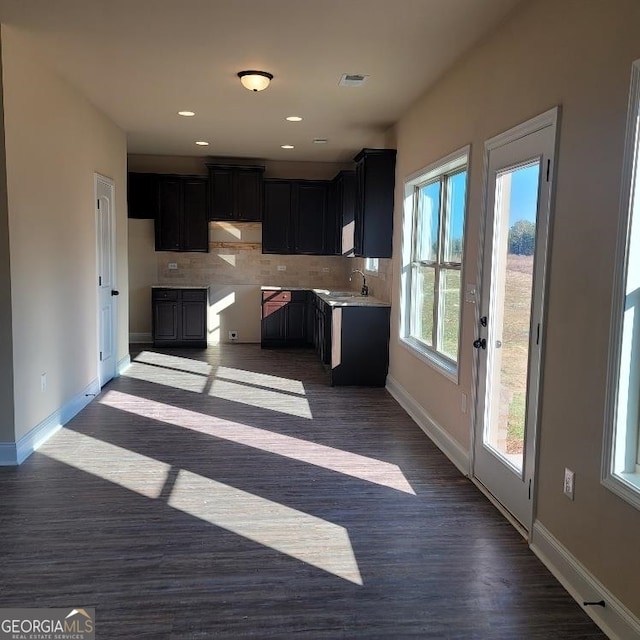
column 235, row 257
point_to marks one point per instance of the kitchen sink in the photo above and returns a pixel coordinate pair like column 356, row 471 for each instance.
column 342, row 294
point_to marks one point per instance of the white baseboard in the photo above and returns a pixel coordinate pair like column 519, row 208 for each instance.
column 614, row 618
column 15, row 453
column 448, row 445
column 140, row 338
column 123, row 365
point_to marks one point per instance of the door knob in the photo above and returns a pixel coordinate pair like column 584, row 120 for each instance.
column 480, row 343
column 115, row 292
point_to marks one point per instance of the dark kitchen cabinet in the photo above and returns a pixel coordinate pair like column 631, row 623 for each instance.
column 236, row 192
column 340, row 221
column 360, row 345
column 142, row 195
column 375, row 182
column 181, row 222
column 179, row 317
column 322, row 330
column 296, row 217
column 284, row 319
column 309, row 217
column 276, row 224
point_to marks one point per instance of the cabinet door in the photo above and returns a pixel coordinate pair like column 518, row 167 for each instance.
column 165, row 320
column 276, row 227
column 169, row 221
column 194, row 321
column 296, row 322
column 343, row 216
column 358, row 230
column 310, row 211
column 375, row 175
column 248, row 194
column 273, row 321
column 142, row 195
column 221, row 194
column 195, row 234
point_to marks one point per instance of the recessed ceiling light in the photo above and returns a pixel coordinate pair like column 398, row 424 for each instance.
column 320, row 141
column 293, row 118
column 287, row 146
column 186, row 114
column 202, row 143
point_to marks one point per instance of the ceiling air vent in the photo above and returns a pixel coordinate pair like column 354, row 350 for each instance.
column 352, row 80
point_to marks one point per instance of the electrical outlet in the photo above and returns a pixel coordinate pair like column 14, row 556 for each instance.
column 325, row 269
column 281, row 267
column 569, row 483
column 172, row 266
column 43, row 382
column 233, row 335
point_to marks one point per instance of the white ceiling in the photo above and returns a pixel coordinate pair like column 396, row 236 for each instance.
column 142, row 61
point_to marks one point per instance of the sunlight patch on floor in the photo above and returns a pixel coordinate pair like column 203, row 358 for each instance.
column 261, row 398
column 131, row 470
column 183, row 380
column 314, row 541
column 174, row 362
column 350, row 464
column 261, row 380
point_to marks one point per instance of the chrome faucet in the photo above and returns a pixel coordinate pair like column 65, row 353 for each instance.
column 365, row 290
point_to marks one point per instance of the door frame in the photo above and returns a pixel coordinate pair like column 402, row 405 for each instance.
column 551, row 117
column 97, row 177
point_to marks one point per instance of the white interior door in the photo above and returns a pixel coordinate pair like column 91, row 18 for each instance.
column 107, row 292
column 519, row 177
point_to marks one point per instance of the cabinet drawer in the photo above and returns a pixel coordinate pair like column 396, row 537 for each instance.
column 194, row 295
column 165, row 294
column 276, row 296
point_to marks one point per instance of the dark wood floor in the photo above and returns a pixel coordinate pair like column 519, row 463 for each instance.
column 231, row 493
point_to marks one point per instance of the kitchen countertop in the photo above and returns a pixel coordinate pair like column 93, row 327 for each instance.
column 176, row 286
column 334, row 299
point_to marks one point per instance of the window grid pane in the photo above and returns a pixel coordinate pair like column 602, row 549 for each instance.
column 435, row 262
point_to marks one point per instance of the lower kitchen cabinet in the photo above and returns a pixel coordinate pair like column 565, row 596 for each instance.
column 284, row 319
column 360, row 345
column 179, row 317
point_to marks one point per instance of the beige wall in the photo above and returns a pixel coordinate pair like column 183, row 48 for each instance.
column 55, row 141
column 577, row 54
column 7, row 431
column 235, row 266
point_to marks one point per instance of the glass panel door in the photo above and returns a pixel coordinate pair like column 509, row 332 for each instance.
column 515, row 221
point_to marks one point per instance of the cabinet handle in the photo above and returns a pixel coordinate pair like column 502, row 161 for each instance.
column 115, row 292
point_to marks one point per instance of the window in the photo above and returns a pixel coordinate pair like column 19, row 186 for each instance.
column 371, row 265
column 433, row 242
column 621, row 463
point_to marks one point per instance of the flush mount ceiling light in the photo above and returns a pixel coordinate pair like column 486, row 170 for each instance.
column 255, row 80
column 186, row 114
column 202, row 143
column 294, row 118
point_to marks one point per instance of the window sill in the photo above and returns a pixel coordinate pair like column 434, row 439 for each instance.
column 441, row 364
column 625, row 486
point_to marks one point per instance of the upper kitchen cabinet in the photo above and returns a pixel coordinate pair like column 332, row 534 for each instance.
column 296, row 217
column 181, row 222
column 235, row 192
column 142, row 195
column 375, row 182
column 341, row 219
column 310, row 217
